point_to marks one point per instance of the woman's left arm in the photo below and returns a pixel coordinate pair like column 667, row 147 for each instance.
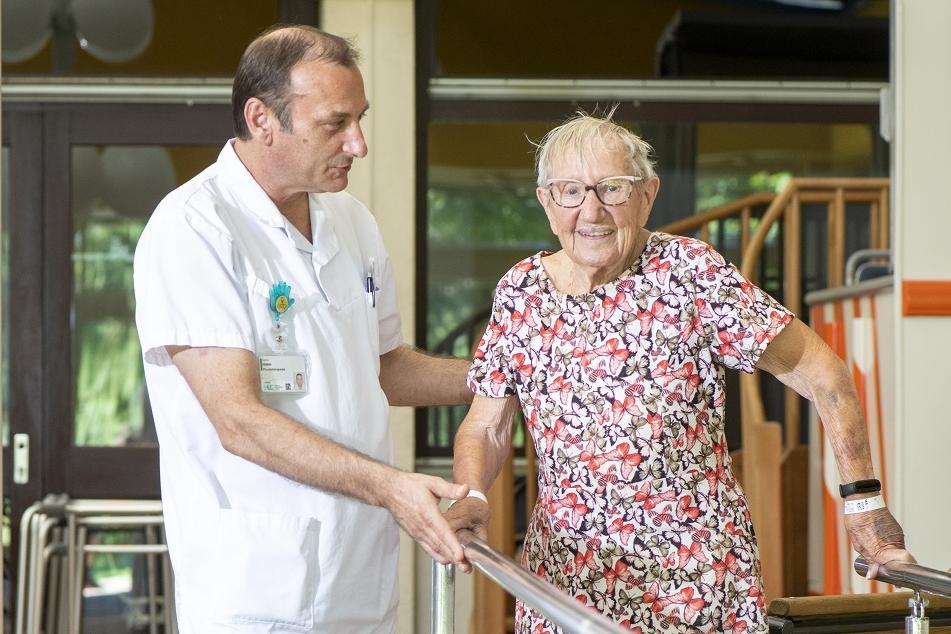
column 801, row 360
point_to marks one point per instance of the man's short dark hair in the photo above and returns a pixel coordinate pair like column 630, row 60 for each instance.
column 265, row 68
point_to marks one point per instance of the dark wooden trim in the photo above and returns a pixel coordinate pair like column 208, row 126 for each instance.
column 138, row 123
column 425, row 15
column 25, row 404
column 168, row 124
column 299, row 12
column 659, row 112
column 58, row 388
column 133, row 472
column 25, row 352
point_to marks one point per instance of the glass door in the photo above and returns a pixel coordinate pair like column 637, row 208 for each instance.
column 82, row 182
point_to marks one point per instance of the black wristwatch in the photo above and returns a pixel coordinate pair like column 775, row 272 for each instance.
column 860, row 486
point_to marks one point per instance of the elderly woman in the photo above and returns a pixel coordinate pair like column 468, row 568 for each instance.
column 614, row 348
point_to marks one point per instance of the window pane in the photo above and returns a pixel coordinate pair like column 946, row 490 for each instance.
column 483, row 217
column 114, row 190
column 645, row 39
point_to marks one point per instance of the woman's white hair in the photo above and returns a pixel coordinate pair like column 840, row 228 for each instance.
column 585, row 136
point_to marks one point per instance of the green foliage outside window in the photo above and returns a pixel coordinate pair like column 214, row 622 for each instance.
column 107, row 360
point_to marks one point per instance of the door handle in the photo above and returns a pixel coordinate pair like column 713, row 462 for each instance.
column 21, row 458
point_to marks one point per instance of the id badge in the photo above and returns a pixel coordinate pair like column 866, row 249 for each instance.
column 283, row 373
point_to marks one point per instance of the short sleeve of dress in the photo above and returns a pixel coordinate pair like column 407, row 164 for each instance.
column 740, row 318
column 491, row 372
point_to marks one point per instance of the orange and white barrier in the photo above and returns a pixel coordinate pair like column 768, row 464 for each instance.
column 858, row 324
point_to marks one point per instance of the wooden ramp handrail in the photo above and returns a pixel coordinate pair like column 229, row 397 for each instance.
column 850, row 604
column 773, row 459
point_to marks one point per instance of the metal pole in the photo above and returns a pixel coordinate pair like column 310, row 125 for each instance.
column 917, row 623
column 911, row 576
column 26, row 539
column 443, row 593
column 561, row 609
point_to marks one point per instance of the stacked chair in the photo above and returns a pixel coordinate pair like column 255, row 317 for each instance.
column 58, row 534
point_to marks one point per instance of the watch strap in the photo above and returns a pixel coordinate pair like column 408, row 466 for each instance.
column 860, row 486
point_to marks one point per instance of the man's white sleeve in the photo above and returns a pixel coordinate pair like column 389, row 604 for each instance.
column 187, row 290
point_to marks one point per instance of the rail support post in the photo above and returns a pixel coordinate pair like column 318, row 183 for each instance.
column 917, row 623
column 443, row 593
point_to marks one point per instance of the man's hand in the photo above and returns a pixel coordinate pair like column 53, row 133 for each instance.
column 469, row 514
column 413, row 500
column 877, row 537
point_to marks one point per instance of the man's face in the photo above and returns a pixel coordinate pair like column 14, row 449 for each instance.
column 326, row 105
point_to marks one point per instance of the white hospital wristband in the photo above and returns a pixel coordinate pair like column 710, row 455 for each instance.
column 866, row 504
column 472, row 494
column 478, row 494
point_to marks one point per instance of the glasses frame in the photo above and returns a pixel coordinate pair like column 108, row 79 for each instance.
column 551, row 181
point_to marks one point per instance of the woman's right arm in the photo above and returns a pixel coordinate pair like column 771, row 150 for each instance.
column 482, row 443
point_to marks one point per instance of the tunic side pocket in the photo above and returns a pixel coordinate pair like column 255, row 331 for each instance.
column 266, row 569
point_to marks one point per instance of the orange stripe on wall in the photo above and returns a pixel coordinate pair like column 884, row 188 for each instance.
column 838, row 315
column 926, row 298
column 831, row 583
column 877, row 377
column 857, row 374
column 875, row 424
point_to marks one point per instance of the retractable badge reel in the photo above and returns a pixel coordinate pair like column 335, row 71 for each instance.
column 284, row 371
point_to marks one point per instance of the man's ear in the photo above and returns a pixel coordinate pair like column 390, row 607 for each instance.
column 257, row 116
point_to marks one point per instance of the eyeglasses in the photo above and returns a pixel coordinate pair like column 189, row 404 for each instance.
column 613, row 190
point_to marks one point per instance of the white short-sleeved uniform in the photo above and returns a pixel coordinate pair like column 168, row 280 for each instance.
column 253, row 551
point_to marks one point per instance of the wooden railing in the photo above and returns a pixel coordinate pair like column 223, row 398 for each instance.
column 772, row 463
column 775, row 462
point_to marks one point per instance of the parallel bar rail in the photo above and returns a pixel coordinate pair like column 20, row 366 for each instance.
column 911, row 576
column 558, row 607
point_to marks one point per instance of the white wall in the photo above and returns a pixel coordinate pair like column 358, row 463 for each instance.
column 384, row 31
column 922, row 227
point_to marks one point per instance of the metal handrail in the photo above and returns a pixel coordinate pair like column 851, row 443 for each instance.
column 911, row 576
column 558, row 607
column 918, row 578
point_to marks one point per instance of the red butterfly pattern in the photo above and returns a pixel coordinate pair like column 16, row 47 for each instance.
column 658, row 267
column 610, row 383
column 610, row 304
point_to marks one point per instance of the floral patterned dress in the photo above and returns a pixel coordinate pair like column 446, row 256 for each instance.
column 639, row 515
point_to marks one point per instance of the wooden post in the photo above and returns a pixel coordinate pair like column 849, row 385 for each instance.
column 491, row 601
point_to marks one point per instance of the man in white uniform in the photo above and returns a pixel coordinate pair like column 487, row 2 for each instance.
column 279, row 498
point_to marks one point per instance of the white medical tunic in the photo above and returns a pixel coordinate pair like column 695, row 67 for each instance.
column 253, row 551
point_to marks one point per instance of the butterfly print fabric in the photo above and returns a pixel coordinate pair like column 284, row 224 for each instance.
column 622, row 389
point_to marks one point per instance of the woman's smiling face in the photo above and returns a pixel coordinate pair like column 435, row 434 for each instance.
column 600, row 239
